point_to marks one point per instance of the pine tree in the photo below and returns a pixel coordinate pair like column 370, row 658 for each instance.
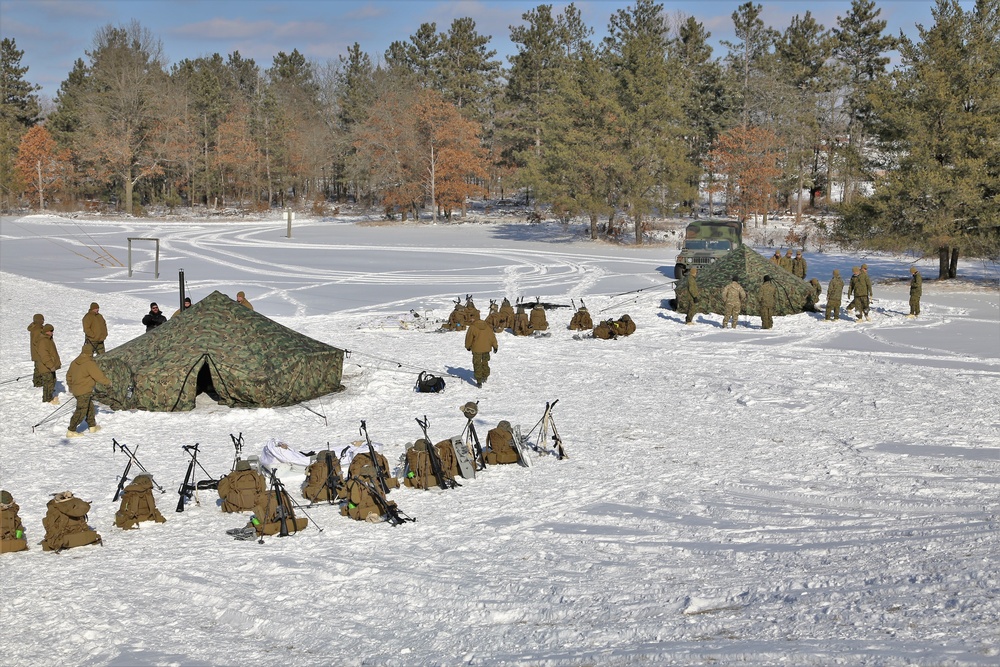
column 652, row 163
column 707, row 100
column 18, row 111
column 939, row 120
column 748, row 60
column 860, row 48
column 466, row 70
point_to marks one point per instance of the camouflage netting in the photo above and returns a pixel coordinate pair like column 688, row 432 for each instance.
column 750, row 267
column 247, row 359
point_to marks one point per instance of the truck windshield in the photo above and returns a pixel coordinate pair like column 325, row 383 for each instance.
column 720, row 245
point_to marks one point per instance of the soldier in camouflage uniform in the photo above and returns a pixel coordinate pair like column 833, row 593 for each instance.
column 868, row 287
column 34, row 329
column 786, row 261
column 858, row 293
column 916, row 290
column 688, row 298
column 799, row 265
column 479, row 340
column 95, row 329
column 733, row 298
column 768, row 302
column 48, row 363
column 776, row 258
column 834, row 292
column 82, row 376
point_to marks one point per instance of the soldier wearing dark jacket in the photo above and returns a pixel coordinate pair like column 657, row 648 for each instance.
column 95, row 329
column 688, row 296
column 916, row 290
column 768, row 302
column 47, row 365
column 479, row 340
column 82, row 376
column 834, row 292
column 155, row 318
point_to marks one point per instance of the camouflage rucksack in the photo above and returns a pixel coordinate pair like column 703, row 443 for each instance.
column 65, row 523
column 241, row 488
column 138, row 504
column 11, row 529
column 324, row 481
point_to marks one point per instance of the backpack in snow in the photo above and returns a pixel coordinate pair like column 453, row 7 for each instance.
column 427, row 383
column 138, row 504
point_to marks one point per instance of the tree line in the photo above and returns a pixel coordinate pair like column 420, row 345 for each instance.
column 647, row 121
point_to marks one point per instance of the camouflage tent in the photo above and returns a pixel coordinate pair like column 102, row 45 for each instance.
column 794, row 294
column 236, row 355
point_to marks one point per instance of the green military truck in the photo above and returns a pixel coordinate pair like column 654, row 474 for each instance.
column 706, row 241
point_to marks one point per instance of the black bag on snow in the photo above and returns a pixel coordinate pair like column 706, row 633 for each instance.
column 427, row 383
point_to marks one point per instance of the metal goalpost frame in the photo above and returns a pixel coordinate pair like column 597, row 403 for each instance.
column 156, row 262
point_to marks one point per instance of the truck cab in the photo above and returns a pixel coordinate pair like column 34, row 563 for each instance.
column 706, row 241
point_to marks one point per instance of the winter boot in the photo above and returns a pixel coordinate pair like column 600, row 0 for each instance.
column 94, row 429
column 73, row 434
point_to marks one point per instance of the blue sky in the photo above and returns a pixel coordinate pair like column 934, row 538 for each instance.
column 54, row 33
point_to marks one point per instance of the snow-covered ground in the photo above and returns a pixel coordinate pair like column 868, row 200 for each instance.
column 816, row 494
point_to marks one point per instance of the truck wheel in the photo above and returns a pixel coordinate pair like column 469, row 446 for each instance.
column 679, row 270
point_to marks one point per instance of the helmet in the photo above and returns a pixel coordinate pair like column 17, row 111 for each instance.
column 470, row 410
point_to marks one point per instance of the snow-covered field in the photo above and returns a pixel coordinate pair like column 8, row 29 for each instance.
column 816, row 494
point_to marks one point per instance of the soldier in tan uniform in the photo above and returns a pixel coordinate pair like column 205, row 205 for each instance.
column 241, row 298
column 47, row 364
column 34, row 329
column 82, row 376
column 95, row 329
column 479, row 340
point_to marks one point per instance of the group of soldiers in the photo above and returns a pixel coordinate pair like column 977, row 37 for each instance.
column 480, row 336
column 734, row 296
column 83, row 373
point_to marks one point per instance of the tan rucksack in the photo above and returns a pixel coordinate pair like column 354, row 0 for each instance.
column 361, row 467
column 138, row 504
column 581, row 321
column 501, row 445
column 268, row 521
column 11, row 529
column 324, row 481
column 241, row 489
column 419, row 468
column 66, row 523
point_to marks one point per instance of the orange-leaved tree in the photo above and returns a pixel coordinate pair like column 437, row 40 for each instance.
column 40, row 165
column 456, row 163
column 749, row 159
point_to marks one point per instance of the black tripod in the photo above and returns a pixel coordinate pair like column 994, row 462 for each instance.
column 132, row 460
column 188, row 487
